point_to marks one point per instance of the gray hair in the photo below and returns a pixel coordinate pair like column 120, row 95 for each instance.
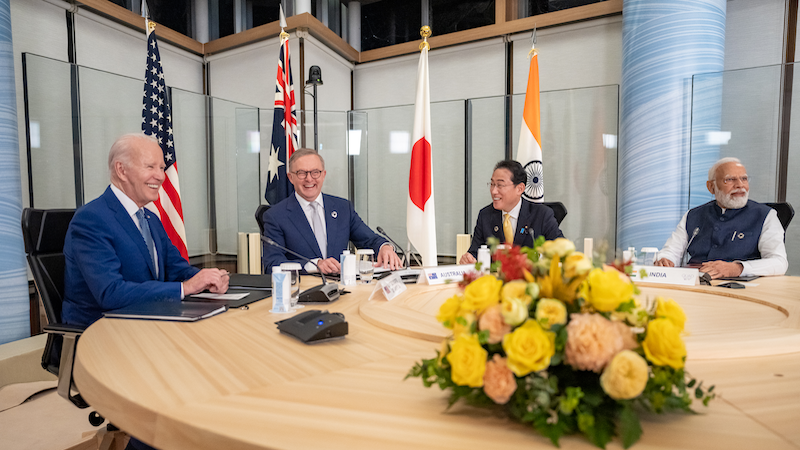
column 712, row 172
column 304, row 152
column 122, row 148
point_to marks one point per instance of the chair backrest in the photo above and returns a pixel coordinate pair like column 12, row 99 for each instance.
column 260, row 216
column 785, row 213
column 559, row 210
column 44, row 231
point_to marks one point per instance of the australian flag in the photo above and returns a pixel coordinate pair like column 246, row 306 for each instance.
column 284, row 129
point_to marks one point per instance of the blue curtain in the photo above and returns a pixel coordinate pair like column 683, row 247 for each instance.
column 664, row 43
column 14, row 306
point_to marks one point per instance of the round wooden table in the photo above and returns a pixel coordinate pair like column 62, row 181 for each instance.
column 233, row 381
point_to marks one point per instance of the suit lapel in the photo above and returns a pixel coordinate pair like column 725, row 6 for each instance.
column 126, row 222
column 522, row 223
column 497, row 224
column 332, row 224
column 298, row 217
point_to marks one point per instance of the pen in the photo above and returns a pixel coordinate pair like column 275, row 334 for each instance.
column 734, row 235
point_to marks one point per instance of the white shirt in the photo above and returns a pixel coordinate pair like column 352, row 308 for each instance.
column 131, row 208
column 770, row 244
column 309, row 211
column 514, row 213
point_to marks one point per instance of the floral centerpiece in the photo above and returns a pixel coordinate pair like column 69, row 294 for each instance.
column 563, row 346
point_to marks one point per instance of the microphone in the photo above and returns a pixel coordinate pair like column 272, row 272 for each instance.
column 407, row 275
column 324, row 293
column 683, row 256
column 405, row 258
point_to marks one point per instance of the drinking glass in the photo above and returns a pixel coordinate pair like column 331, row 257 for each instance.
column 366, row 264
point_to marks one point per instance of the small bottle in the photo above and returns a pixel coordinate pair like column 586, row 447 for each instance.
column 347, row 261
column 485, row 258
column 281, row 291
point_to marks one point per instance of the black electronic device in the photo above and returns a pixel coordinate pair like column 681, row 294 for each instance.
column 324, row 293
column 314, row 326
column 732, row 285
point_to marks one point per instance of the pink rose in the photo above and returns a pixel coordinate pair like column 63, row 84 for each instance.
column 592, row 340
column 628, row 338
column 499, row 383
column 492, row 320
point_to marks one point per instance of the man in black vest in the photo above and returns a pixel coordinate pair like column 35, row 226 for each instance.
column 730, row 236
column 510, row 218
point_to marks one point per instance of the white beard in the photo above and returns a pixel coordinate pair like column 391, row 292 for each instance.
column 728, row 201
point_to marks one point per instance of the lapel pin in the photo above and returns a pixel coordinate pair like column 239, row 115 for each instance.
column 496, row 228
column 741, row 235
column 334, row 214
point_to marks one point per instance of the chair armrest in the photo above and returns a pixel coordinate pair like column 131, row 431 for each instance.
column 60, row 328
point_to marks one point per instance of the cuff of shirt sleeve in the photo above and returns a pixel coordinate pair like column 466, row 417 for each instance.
column 747, row 271
column 182, row 294
column 311, row 268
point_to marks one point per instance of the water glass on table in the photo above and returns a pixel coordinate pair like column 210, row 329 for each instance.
column 366, row 264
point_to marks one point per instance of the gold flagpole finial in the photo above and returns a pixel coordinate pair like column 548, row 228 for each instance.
column 425, row 32
column 151, row 26
column 284, row 34
column 533, row 51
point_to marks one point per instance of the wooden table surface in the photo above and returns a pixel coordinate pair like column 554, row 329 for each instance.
column 233, row 381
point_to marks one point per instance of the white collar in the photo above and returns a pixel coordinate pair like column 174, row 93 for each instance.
column 515, row 210
column 305, row 203
column 129, row 205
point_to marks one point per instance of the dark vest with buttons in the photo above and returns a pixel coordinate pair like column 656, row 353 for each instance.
column 732, row 236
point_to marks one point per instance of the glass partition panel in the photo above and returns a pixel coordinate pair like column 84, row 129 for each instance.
column 746, row 105
column 49, row 107
column 389, row 143
column 111, row 105
column 487, row 124
column 793, row 179
column 359, row 160
column 235, row 171
column 579, row 158
column 190, row 133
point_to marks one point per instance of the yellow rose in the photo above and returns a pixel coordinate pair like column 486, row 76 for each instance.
column 529, row 348
column 663, row 345
column 625, row 377
column 464, row 324
column 551, row 311
column 577, row 264
column 560, row 247
column 516, row 289
column 606, row 289
column 467, row 361
column 670, row 309
column 449, row 311
column 481, row 294
column 514, row 311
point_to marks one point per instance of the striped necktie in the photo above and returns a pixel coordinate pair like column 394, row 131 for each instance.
column 148, row 238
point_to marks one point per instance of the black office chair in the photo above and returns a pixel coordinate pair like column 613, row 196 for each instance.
column 785, row 213
column 43, row 232
column 260, row 216
column 559, row 210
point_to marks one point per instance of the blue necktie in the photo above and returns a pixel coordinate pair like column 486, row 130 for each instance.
column 148, row 239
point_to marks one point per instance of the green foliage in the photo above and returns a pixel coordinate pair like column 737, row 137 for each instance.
column 630, row 430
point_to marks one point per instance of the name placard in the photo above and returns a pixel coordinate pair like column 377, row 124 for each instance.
column 444, row 274
column 666, row 275
column 391, row 286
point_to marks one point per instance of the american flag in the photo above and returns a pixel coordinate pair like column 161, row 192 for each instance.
column 157, row 121
column 284, row 129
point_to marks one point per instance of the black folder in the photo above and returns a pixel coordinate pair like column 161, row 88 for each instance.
column 173, row 311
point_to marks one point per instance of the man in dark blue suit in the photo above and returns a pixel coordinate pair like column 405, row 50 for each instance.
column 108, row 262
column 315, row 225
column 510, row 217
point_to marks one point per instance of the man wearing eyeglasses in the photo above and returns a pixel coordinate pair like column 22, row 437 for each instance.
column 511, row 218
column 316, row 225
column 730, row 236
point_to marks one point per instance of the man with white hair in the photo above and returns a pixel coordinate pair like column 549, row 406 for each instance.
column 730, row 236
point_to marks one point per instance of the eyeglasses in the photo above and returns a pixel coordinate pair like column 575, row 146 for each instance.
column 744, row 179
column 302, row 174
column 499, row 186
